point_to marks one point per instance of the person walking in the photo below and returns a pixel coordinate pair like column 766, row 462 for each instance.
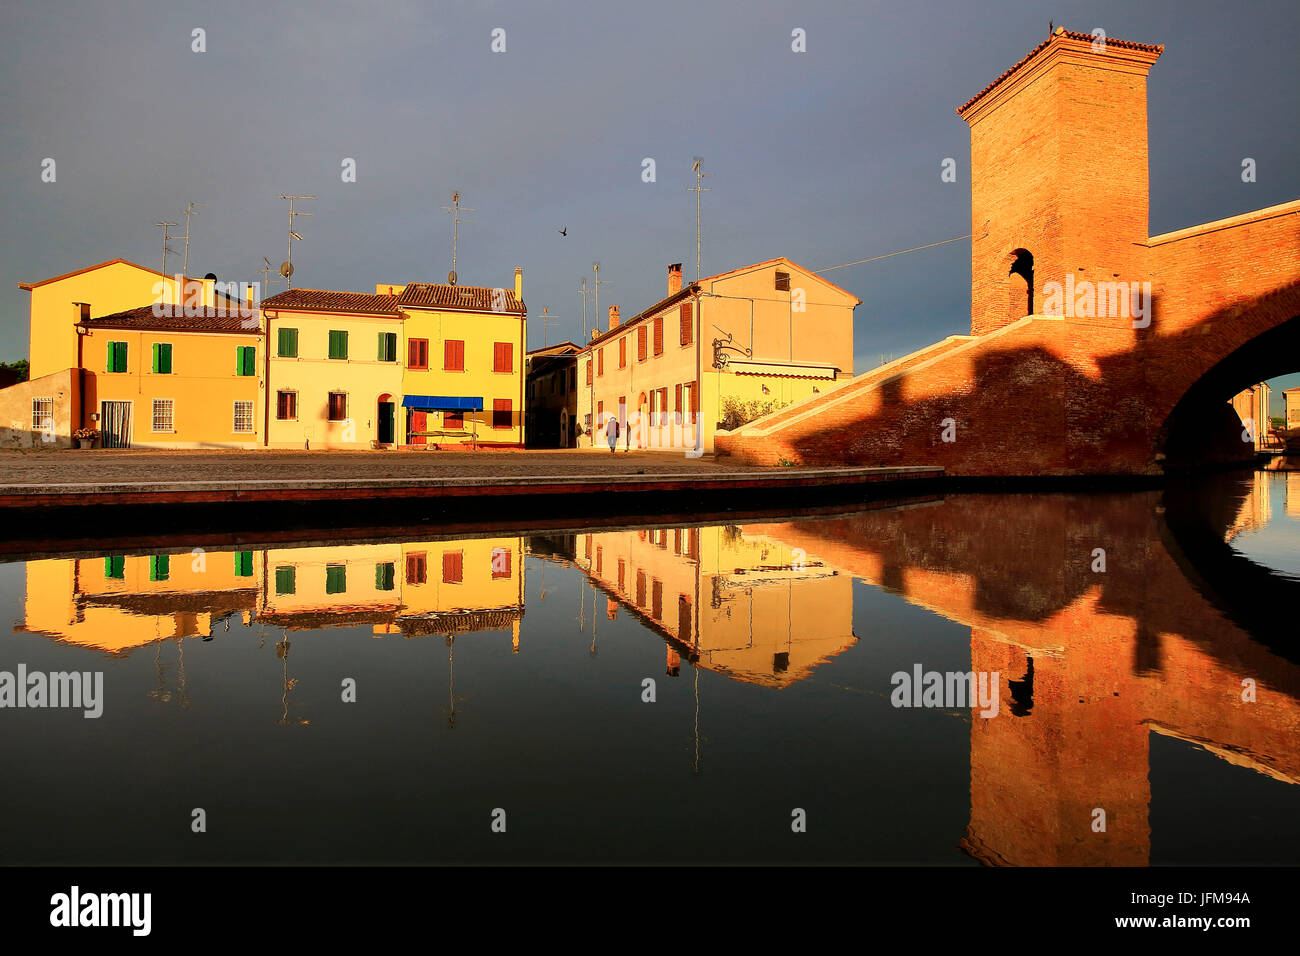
column 611, row 432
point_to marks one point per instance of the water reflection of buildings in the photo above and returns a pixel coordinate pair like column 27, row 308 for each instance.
column 731, row 598
column 115, row 603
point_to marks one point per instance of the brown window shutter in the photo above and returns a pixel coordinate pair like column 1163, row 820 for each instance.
column 688, row 328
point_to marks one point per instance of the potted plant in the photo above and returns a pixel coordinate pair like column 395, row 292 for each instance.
column 86, row 437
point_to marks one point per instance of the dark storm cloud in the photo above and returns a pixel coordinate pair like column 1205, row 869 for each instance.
column 827, row 156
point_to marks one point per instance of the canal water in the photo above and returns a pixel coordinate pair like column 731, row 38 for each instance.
column 775, row 690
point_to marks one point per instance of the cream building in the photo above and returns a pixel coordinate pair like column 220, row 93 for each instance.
column 746, row 341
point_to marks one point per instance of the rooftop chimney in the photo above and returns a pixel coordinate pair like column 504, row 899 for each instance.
column 674, row 278
column 613, row 317
column 519, row 283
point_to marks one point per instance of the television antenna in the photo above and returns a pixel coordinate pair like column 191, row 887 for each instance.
column 455, row 209
column 547, row 317
column 266, row 276
column 584, row 292
column 595, row 267
column 697, row 165
column 166, row 249
column 189, row 211
column 286, row 267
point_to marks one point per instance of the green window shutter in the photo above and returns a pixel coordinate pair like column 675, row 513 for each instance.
column 244, row 564
column 117, row 356
column 286, row 580
column 288, row 343
column 162, row 358
column 115, row 566
column 246, row 360
column 336, row 578
column 159, row 567
column 338, row 344
column 384, row 575
column 383, row 347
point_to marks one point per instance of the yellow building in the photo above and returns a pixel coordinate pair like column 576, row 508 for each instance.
column 734, row 599
column 166, row 377
column 334, row 369
column 58, row 304
column 463, row 382
column 737, row 343
column 1251, row 405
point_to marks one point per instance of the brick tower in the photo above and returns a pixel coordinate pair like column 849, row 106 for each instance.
column 1058, row 175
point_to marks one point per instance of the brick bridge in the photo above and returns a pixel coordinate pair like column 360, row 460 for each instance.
column 1065, row 372
column 1144, row 649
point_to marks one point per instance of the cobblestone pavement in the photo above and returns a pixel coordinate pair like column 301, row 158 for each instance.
column 112, row 465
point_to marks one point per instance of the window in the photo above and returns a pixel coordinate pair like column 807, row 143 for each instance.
column 338, row 406
column 659, row 335
column 388, row 346
column 384, row 576
column 503, row 357
column 600, row 361
column 453, row 419
column 162, row 415
column 417, row 568
column 688, row 326
column 501, row 413
column 622, row 574
column 677, row 397
column 600, row 559
column 588, row 371
column 115, row 566
column 287, row 345
column 286, row 580
column 783, row 282
column 159, row 567
column 338, row 344
column 453, row 355
column 162, row 358
column 684, row 618
column 286, row 406
column 622, row 352
column 600, row 414
column 500, row 563
column 336, row 578
column 640, row 589
column 417, row 353
column 246, row 360
column 42, row 413
column 657, row 600
column 243, row 416
column 243, row 564
column 453, row 566
column 640, row 344
column 663, row 405
column 117, row 356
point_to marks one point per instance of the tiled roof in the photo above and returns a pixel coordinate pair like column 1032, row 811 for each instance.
column 320, row 300
column 1062, row 35
column 473, row 298
column 176, row 318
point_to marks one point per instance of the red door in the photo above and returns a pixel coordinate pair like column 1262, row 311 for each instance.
column 416, row 424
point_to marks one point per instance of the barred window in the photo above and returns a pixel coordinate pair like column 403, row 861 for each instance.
column 243, row 416
column 42, row 413
column 162, row 415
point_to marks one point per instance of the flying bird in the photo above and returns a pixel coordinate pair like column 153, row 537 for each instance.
column 564, row 231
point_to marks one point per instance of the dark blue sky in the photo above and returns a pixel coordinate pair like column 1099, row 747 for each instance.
column 825, row 156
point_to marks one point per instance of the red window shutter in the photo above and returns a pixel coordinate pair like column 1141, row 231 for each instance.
column 622, row 352
column 640, row 589
column 453, row 355
column 501, row 413
column 452, row 567
column 453, row 419
column 588, row 371
column 640, row 344
column 659, row 335
column 688, row 328
column 503, row 357
column 657, row 600
column 678, row 397
column 415, row 568
column 622, row 574
column 600, row 361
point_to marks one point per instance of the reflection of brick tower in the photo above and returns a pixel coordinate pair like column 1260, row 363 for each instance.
column 1043, row 764
column 1058, row 174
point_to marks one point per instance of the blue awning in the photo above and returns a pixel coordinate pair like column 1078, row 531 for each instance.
column 443, row 403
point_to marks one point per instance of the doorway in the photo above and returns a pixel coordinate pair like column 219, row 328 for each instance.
column 115, row 424
column 384, row 423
